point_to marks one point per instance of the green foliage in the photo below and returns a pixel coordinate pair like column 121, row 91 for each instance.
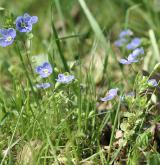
column 63, row 124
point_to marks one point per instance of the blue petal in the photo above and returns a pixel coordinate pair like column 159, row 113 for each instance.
column 46, row 65
column 113, row 91
column 120, row 42
column 38, row 69
column 60, row 75
column 64, row 79
column 132, row 58
column 138, row 51
column 27, row 20
column 28, row 28
column 19, row 19
column 2, row 42
column 134, row 44
column 5, row 43
column 107, row 98
column 125, row 33
column 69, row 78
column 12, row 32
column 153, row 82
column 111, row 94
column 4, row 32
column 43, row 85
column 34, row 19
column 124, row 61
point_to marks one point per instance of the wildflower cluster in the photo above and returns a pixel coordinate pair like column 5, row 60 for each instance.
column 136, row 103
column 131, row 44
column 45, row 70
column 23, row 25
column 123, row 38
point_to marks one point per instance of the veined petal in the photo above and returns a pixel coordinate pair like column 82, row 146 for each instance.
column 12, row 32
column 2, row 42
column 4, row 32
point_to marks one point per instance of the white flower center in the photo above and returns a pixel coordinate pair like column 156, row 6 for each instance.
column 9, row 38
column 45, row 71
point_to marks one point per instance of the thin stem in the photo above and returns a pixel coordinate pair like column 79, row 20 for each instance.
column 26, row 72
column 29, row 62
column 113, row 130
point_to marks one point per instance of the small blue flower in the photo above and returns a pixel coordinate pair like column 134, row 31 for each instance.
column 125, row 33
column 24, row 23
column 134, row 44
column 131, row 59
column 137, row 52
column 65, row 79
column 123, row 38
column 111, row 94
column 43, row 85
column 152, row 82
column 120, row 42
column 44, row 70
column 7, row 36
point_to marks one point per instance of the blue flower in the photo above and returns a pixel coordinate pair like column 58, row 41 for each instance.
column 120, row 42
column 125, row 33
column 152, row 82
column 65, row 79
column 122, row 37
column 131, row 59
column 137, row 52
column 7, row 36
column 24, row 23
column 111, row 94
column 43, row 85
column 134, row 44
column 44, row 70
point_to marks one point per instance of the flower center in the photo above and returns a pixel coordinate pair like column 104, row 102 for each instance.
column 9, row 38
column 45, row 71
column 23, row 24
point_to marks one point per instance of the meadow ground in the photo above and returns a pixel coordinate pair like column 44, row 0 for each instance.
column 79, row 82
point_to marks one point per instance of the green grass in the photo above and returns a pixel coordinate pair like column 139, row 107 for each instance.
column 65, row 124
